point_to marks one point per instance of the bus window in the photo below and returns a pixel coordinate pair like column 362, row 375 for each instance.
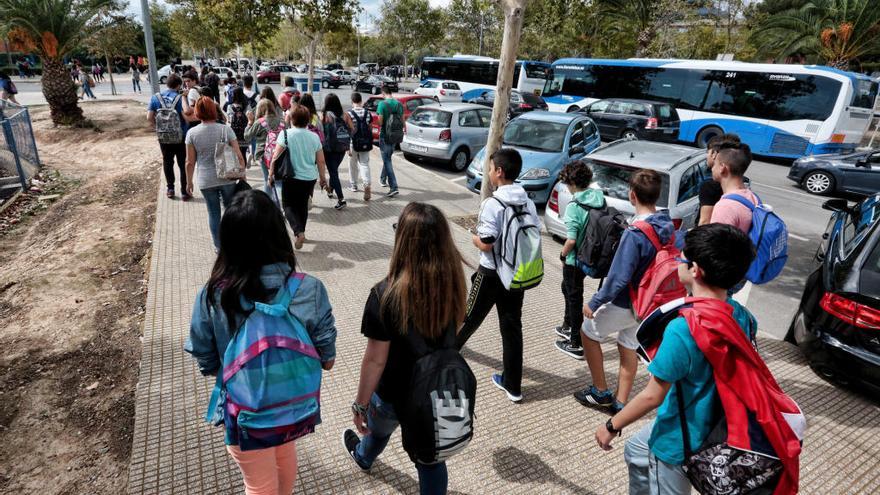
column 807, row 98
column 667, row 85
column 536, row 71
column 864, row 94
column 744, row 94
column 697, row 84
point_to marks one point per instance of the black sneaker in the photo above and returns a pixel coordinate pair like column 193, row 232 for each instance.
column 592, row 397
column 392, row 193
column 564, row 332
column 340, row 204
column 350, row 440
column 566, row 348
column 383, row 183
column 616, row 407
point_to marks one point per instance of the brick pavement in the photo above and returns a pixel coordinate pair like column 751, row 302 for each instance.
column 544, row 445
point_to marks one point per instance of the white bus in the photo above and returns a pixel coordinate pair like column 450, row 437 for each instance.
column 476, row 74
column 779, row 110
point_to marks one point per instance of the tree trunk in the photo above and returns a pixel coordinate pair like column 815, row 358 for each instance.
column 60, row 93
column 110, row 71
column 514, row 10
column 313, row 45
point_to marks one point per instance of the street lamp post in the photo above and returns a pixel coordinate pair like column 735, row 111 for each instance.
column 357, row 26
column 151, row 50
column 481, row 34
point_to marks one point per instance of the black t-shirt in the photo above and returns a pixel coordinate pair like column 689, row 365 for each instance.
column 710, row 193
column 394, row 383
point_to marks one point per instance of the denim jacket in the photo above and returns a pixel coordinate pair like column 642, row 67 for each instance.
column 209, row 331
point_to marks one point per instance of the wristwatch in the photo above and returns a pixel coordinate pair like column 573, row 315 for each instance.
column 359, row 409
column 610, row 427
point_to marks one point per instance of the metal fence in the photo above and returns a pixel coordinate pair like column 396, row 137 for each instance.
column 19, row 160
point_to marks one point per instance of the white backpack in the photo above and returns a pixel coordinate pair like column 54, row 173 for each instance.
column 517, row 253
column 168, row 122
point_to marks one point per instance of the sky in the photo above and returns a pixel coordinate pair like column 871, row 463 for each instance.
column 371, row 10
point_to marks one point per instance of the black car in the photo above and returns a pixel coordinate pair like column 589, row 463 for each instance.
column 332, row 67
column 519, row 102
column 628, row 118
column 850, row 172
column 838, row 321
column 374, row 84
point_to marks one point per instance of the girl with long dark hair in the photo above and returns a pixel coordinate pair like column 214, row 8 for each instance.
column 334, row 151
column 424, row 292
column 255, row 261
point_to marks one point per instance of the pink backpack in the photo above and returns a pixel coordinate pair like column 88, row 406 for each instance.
column 660, row 283
column 271, row 139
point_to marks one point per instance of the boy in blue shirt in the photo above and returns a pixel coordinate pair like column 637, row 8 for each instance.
column 716, row 257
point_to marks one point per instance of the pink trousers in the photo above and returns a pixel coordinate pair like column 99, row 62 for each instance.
column 269, row 471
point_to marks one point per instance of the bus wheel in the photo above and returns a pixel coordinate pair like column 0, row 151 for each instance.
column 573, row 109
column 706, row 135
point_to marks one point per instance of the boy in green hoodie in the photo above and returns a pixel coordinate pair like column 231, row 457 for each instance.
column 577, row 176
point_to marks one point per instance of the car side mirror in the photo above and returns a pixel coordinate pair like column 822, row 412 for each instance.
column 836, row 204
column 863, row 163
column 575, row 150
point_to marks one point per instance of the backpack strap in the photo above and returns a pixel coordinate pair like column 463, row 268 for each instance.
column 175, row 102
column 280, row 305
column 160, row 99
column 421, row 348
column 649, row 232
column 685, row 435
column 742, row 200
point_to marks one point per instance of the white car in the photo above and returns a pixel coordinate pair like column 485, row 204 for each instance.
column 347, row 76
column 162, row 74
column 440, row 90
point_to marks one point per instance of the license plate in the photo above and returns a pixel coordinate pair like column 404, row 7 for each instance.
column 668, row 131
column 420, row 149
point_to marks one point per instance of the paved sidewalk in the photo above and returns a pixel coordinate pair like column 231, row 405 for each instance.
column 544, row 445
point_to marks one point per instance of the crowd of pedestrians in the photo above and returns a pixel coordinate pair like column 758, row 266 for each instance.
column 266, row 331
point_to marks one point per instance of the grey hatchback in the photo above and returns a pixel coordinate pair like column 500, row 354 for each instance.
column 452, row 132
column 851, row 172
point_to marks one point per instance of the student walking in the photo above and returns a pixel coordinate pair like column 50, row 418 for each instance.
column 256, row 264
column 288, row 95
column 315, row 126
column 237, row 111
column 710, row 191
column 609, row 311
column 421, row 300
column 707, row 358
column 577, row 176
column 390, row 113
column 7, row 89
column 135, row 79
column 171, row 128
column 86, row 82
column 337, row 131
column 487, row 289
column 201, row 143
column 361, row 144
column 729, row 171
column 264, row 128
column 307, row 163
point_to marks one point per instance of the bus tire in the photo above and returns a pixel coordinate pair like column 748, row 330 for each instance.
column 460, row 159
column 572, row 109
column 706, row 134
column 818, row 182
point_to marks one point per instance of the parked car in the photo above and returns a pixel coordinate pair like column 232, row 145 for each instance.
column 273, row 74
column 850, row 172
column 451, row 132
column 162, row 73
column 642, row 119
column 347, row 76
column 683, row 170
column 837, row 324
column 409, row 102
column 328, row 79
column 374, row 84
column 519, row 102
column 368, row 68
column 546, row 141
column 223, row 72
column 332, row 67
column 302, row 68
column 440, row 90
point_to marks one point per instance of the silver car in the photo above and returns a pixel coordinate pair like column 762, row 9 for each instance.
column 682, row 168
column 451, row 132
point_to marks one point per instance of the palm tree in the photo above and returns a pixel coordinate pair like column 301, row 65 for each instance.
column 53, row 29
column 837, row 31
column 629, row 17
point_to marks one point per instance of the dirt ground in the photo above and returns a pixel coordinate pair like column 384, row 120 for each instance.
column 72, row 293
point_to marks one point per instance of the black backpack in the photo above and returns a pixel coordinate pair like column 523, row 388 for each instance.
column 362, row 139
column 394, row 125
column 337, row 135
column 238, row 121
column 437, row 419
column 602, row 234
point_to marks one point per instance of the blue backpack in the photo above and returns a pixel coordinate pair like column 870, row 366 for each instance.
column 268, row 391
column 770, row 237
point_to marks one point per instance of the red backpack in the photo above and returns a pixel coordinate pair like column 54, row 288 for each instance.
column 271, row 139
column 660, row 283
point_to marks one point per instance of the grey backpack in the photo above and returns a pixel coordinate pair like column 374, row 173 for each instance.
column 168, row 121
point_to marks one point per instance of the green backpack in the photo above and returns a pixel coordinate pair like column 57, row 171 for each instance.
column 517, row 254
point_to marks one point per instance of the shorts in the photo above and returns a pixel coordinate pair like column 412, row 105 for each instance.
column 610, row 319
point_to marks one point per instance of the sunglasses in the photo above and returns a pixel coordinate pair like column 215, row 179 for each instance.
column 682, row 259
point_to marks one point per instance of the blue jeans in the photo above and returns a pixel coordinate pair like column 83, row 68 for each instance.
column 387, row 169
column 212, row 196
column 650, row 475
column 135, row 85
column 382, row 421
column 87, row 90
column 276, row 197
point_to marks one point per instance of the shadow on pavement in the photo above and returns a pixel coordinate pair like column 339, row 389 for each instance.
column 517, row 466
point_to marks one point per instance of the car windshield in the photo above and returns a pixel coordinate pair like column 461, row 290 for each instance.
column 863, row 216
column 613, row 181
column 535, row 134
column 430, row 117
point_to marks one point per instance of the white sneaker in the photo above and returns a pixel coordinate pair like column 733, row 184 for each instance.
column 353, row 188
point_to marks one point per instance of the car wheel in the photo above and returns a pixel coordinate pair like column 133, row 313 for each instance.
column 325, row 84
column 818, row 182
column 572, row 109
column 459, row 159
column 410, row 157
column 706, row 135
column 162, row 79
column 628, row 134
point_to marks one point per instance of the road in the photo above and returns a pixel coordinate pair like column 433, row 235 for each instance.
column 773, row 304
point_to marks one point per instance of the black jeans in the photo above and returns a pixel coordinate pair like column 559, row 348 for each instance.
column 169, row 152
column 487, row 291
column 573, row 292
column 334, row 159
column 295, row 195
